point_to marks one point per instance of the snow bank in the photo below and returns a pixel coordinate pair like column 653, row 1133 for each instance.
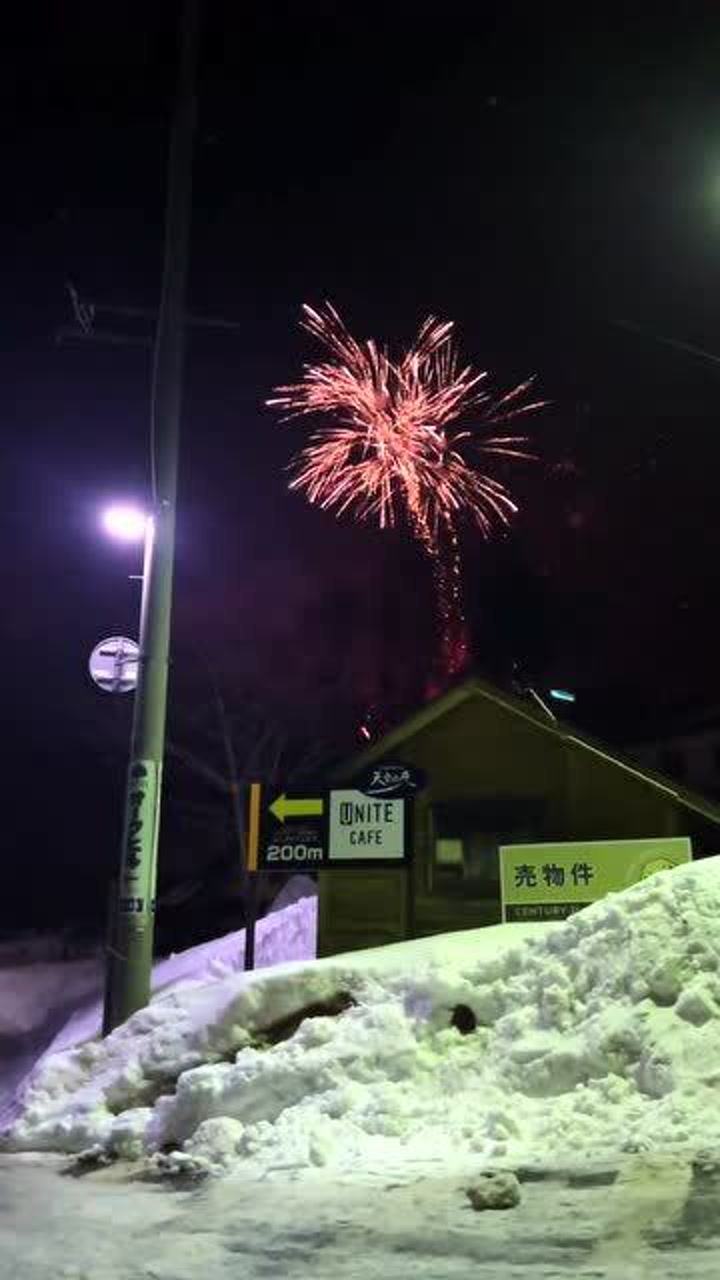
column 45, row 1008
column 286, row 934
column 600, row 1034
column 36, row 1000
column 32, row 993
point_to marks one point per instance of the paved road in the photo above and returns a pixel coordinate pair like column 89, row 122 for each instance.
column 648, row 1217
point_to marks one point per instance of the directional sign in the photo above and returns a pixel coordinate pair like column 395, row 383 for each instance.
column 286, row 830
column 284, row 808
column 364, row 827
column 327, row 829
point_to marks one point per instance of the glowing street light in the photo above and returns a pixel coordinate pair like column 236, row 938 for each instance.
column 126, row 523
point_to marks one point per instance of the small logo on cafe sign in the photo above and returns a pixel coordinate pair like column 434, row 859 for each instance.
column 392, row 779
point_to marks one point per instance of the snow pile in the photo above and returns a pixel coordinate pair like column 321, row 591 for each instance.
column 41, row 948
column 48, row 1007
column 600, row 1034
column 289, row 933
column 31, row 994
column 36, row 1001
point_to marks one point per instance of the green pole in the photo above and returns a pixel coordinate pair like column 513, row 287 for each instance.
column 131, row 950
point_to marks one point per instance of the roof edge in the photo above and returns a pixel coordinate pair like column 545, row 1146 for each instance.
column 475, row 687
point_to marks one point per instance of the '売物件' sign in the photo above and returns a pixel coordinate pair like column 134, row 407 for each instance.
column 551, row 881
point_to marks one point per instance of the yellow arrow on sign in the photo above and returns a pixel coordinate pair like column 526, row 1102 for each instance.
column 283, row 808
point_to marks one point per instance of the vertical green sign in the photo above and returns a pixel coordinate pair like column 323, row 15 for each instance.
column 137, row 872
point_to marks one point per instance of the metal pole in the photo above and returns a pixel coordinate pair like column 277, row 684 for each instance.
column 251, row 908
column 130, row 961
column 252, row 873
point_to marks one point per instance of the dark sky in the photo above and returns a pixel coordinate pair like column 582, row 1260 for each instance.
column 534, row 179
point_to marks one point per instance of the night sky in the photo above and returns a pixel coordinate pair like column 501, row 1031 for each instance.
column 534, row 180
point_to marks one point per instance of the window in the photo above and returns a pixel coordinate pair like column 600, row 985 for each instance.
column 449, row 853
column 466, row 839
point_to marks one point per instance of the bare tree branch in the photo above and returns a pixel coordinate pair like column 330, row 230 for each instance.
column 198, row 766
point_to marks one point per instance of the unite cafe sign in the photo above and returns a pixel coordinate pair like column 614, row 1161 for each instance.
column 367, row 825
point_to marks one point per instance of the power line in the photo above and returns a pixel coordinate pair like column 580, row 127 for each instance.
column 687, row 347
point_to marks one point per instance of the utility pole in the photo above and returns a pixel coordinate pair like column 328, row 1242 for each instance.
column 131, row 950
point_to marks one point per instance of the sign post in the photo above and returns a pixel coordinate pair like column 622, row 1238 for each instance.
column 251, row 845
column 327, row 831
column 364, row 826
column 551, row 881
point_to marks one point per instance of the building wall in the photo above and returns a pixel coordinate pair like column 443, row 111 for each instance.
column 607, row 802
column 491, row 770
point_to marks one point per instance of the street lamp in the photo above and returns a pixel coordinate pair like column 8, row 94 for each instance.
column 129, row 960
column 125, row 522
column 131, row 950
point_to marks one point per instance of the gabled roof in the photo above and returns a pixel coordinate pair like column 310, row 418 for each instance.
column 474, row 687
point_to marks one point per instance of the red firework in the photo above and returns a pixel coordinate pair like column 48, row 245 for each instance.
column 389, row 445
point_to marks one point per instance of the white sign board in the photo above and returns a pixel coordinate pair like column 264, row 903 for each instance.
column 362, row 826
column 114, row 664
column 137, row 892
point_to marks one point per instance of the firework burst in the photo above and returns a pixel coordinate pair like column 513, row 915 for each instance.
column 390, row 445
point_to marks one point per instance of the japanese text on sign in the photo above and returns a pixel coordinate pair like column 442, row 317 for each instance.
column 551, row 881
column 137, row 887
column 552, row 875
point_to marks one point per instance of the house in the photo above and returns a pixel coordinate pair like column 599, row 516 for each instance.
column 499, row 771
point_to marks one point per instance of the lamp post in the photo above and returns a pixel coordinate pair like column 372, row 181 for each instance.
column 130, row 926
column 131, row 947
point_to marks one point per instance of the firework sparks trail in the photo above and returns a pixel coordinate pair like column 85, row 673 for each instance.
column 389, row 446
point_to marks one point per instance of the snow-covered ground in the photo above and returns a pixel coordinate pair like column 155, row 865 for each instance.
column 37, row 998
column 650, row 1216
column 48, row 1004
column 326, row 1118
column 597, row 1035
